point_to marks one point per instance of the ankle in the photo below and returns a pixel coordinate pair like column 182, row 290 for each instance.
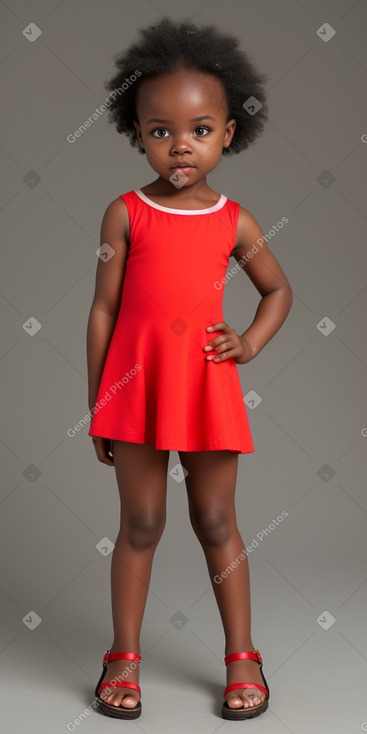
column 125, row 647
column 244, row 646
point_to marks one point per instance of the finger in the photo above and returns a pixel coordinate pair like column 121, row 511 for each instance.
column 217, row 342
column 225, row 355
column 214, row 354
column 211, row 345
column 222, row 342
column 101, row 451
column 104, row 459
column 217, row 327
column 108, row 448
column 107, row 452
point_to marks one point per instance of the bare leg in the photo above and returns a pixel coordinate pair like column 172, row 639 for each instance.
column 141, row 473
column 211, row 483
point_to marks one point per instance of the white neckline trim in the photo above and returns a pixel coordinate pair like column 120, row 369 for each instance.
column 220, row 203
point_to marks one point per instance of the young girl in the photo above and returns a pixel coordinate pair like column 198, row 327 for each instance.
column 162, row 362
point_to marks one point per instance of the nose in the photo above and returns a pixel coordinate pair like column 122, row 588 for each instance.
column 180, row 145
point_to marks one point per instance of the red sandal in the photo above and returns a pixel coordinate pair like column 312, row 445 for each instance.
column 118, row 712
column 243, row 713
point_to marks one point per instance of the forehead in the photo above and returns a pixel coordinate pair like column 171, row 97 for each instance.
column 177, row 92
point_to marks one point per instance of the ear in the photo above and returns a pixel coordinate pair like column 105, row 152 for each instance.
column 229, row 133
column 139, row 135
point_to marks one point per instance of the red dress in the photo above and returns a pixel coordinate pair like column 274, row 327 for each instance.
column 157, row 387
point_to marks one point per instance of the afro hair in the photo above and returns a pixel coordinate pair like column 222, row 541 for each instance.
column 169, row 45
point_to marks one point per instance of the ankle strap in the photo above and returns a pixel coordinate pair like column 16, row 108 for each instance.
column 250, row 655
column 120, row 656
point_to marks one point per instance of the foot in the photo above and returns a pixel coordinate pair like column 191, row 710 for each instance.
column 121, row 695
column 244, row 670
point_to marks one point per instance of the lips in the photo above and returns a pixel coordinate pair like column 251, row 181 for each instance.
column 182, row 165
column 183, row 170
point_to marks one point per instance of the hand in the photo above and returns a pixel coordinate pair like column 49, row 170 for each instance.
column 229, row 344
column 103, row 448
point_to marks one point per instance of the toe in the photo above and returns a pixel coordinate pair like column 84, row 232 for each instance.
column 105, row 694
column 115, row 700
column 110, row 697
column 246, row 699
column 253, row 697
column 236, row 702
column 129, row 701
column 119, row 699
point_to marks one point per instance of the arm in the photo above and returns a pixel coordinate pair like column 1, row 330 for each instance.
column 107, row 296
column 268, row 278
column 276, row 296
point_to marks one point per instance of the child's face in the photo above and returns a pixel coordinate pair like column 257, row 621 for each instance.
column 175, row 99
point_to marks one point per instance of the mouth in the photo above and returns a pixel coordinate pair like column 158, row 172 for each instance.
column 182, row 166
column 183, row 169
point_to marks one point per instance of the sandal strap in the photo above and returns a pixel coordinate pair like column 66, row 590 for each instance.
column 120, row 684
column 249, row 655
column 120, row 656
column 235, row 686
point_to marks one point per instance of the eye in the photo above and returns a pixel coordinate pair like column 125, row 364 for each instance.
column 202, row 128
column 159, row 129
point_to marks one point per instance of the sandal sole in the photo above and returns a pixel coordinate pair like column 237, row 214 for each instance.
column 240, row 714
column 119, row 712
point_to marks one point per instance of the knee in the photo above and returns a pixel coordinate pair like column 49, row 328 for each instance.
column 211, row 527
column 144, row 529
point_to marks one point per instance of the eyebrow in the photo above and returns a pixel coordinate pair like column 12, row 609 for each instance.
column 193, row 119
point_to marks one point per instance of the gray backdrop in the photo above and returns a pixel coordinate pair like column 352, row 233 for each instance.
column 59, row 504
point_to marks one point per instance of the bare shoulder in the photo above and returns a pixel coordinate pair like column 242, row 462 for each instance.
column 111, row 264
column 254, row 256
column 116, row 220
column 248, row 232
